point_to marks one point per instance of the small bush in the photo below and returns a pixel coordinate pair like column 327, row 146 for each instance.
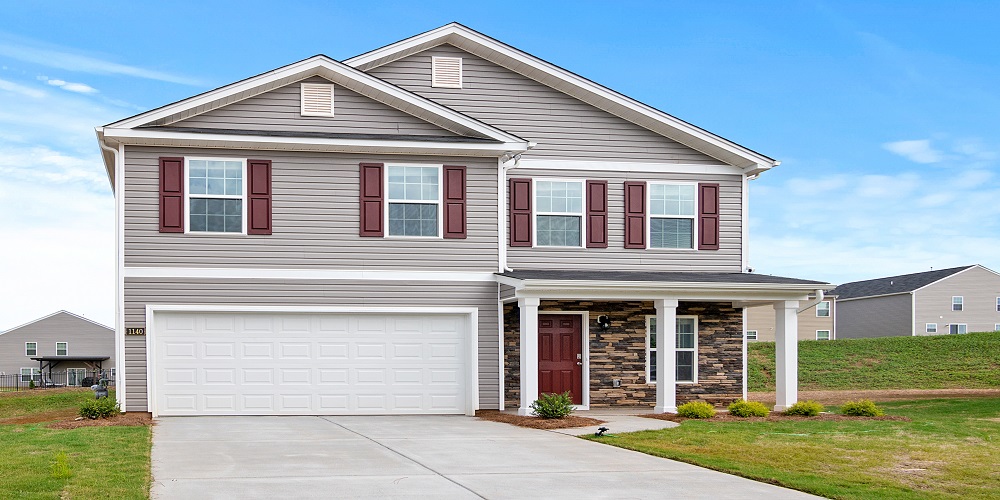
column 742, row 408
column 805, row 409
column 696, row 409
column 553, row 405
column 60, row 466
column 100, row 408
column 31, row 384
column 861, row 408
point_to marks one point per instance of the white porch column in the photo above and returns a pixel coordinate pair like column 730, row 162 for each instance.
column 786, row 353
column 666, row 343
column 529, row 353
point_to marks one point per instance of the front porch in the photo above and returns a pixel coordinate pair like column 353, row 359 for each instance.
column 596, row 334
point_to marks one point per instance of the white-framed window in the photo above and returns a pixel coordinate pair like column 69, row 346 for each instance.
column 930, row 328
column 62, row 348
column 958, row 328
column 751, row 334
column 672, row 215
column 996, row 327
column 957, row 303
column 823, row 309
column 559, row 213
column 31, row 348
column 998, row 304
column 75, row 376
column 822, row 334
column 685, row 352
column 215, row 194
column 29, row 374
column 414, row 201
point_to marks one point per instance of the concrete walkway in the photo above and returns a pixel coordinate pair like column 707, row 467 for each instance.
column 618, row 421
column 413, row 457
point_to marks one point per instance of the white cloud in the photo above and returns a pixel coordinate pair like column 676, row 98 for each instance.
column 81, row 88
column 21, row 89
column 919, row 151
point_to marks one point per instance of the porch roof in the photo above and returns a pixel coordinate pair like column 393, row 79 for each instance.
column 71, row 358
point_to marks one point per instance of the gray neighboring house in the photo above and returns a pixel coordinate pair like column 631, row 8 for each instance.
column 62, row 343
column 440, row 225
column 945, row 301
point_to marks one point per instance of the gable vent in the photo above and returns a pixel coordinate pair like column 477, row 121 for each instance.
column 317, row 99
column 446, row 72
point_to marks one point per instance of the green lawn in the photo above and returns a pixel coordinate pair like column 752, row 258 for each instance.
column 950, row 450
column 969, row 361
column 88, row 462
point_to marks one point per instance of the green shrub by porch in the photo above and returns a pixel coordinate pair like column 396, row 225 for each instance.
column 100, row 408
column 553, row 405
column 696, row 409
column 741, row 408
column 861, row 408
column 805, row 409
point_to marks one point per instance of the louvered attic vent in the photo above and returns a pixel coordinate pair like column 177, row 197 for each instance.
column 317, row 99
column 446, row 72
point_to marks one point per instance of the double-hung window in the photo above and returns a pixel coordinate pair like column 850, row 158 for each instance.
column 62, row 348
column 823, row 309
column 414, row 201
column 958, row 328
column 686, row 350
column 751, row 334
column 29, row 374
column 998, row 304
column 957, row 303
column 559, row 213
column 31, row 348
column 930, row 328
column 672, row 215
column 822, row 334
column 216, row 190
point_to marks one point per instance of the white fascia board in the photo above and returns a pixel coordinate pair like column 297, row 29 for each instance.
column 625, row 166
column 614, row 290
column 306, row 274
column 156, row 137
column 551, row 75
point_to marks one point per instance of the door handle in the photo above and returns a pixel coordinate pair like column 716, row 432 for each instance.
column 579, row 363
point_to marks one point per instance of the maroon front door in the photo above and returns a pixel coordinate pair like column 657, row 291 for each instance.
column 560, row 355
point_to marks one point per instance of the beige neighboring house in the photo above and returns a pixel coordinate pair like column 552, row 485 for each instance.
column 815, row 323
column 61, row 347
column 946, row 301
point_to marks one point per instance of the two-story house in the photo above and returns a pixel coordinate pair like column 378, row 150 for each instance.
column 443, row 224
column 60, row 348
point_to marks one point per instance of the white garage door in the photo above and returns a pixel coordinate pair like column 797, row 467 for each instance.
column 308, row 364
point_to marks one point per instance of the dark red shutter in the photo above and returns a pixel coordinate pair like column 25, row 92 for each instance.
column 597, row 214
column 520, row 212
column 259, row 196
column 635, row 215
column 454, row 202
column 708, row 216
column 171, row 195
column 372, row 196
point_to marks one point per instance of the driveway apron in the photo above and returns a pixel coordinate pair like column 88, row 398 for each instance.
column 414, row 457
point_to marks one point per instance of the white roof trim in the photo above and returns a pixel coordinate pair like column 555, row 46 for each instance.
column 581, row 88
column 568, row 289
column 55, row 314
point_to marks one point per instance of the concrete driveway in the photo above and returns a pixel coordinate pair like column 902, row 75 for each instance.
column 413, row 457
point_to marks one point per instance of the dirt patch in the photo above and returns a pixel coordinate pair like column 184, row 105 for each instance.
column 841, row 397
column 537, row 423
column 45, row 416
column 774, row 417
column 132, row 419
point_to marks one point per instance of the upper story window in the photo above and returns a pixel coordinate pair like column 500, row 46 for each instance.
column 62, row 348
column 823, row 309
column 559, row 213
column 216, row 195
column 31, row 348
column 414, row 201
column 672, row 215
column 957, row 303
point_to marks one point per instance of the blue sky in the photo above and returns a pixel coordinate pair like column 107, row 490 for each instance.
column 882, row 113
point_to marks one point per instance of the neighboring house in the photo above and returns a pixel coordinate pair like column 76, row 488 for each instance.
column 947, row 301
column 440, row 225
column 62, row 342
column 815, row 321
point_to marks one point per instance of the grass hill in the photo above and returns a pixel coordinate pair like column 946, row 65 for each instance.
column 969, row 361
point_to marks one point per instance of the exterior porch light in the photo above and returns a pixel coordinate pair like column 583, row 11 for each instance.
column 604, row 322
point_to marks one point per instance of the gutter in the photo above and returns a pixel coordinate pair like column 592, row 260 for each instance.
column 812, row 303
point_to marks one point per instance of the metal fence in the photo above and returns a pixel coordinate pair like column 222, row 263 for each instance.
column 45, row 380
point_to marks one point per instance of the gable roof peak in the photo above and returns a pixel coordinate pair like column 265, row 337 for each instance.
column 891, row 285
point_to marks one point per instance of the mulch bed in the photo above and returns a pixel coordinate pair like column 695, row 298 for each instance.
column 130, row 419
column 877, row 395
column 536, row 422
column 774, row 417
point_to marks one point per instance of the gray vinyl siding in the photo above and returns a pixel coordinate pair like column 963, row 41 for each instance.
column 83, row 337
column 280, row 109
column 506, row 292
column 888, row 316
column 979, row 289
column 142, row 291
column 728, row 258
column 315, row 218
column 563, row 126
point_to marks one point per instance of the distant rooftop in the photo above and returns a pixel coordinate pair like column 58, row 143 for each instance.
column 893, row 284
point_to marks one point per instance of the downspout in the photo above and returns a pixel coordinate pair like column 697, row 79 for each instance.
column 117, row 185
column 502, row 163
column 812, row 303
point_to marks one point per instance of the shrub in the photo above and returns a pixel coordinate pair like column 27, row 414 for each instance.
column 553, row 405
column 99, row 408
column 861, row 408
column 805, row 409
column 696, row 409
column 742, row 408
column 60, row 466
column 31, row 383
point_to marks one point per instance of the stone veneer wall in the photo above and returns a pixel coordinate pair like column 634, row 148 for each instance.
column 620, row 352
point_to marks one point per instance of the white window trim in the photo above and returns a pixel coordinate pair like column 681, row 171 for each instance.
column 676, row 349
column 829, row 308
column 31, row 376
column 187, row 196
column 998, row 304
column 67, row 349
column 439, row 202
column 959, row 328
column 754, row 335
column 76, row 370
column 828, row 337
column 928, row 328
column 650, row 216
column 26, row 349
column 960, row 303
column 582, row 215
column 996, row 327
